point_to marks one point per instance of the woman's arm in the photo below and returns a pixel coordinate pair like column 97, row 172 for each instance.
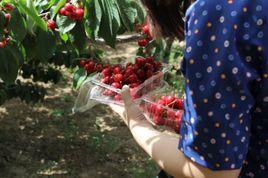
column 162, row 147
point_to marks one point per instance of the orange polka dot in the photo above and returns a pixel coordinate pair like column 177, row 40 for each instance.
column 196, row 133
column 265, row 75
column 226, row 159
column 218, row 165
column 216, row 50
column 233, row 105
column 205, row 100
column 196, row 31
column 217, row 125
column 245, row 9
column 235, row 26
column 223, row 76
column 191, row 61
column 228, row 142
column 230, row 1
column 259, row 48
column 209, row 24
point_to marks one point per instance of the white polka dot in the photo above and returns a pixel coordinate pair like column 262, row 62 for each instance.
column 260, row 34
column 235, row 70
column 222, row 19
column 226, row 44
column 200, row 43
column 232, row 166
column 192, row 120
column 243, row 98
column 218, row 95
column 213, row 38
column 209, row 69
column 213, row 141
column 205, row 12
column 213, row 83
column 227, row 116
column 205, row 56
column 246, row 25
column 218, row 7
column 223, row 135
column 233, row 13
column 224, row 31
column 259, row 22
column 210, row 113
column 189, row 49
column 243, row 139
column 265, row 99
column 249, row 74
column 259, row 8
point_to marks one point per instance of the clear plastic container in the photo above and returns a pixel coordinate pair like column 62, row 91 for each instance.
column 162, row 114
column 107, row 94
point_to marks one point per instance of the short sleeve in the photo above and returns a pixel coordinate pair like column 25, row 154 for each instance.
column 219, row 71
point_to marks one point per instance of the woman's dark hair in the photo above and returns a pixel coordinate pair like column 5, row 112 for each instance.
column 168, row 15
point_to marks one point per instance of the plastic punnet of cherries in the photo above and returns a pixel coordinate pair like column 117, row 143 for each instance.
column 113, row 77
column 163, row 110
column 145, row 78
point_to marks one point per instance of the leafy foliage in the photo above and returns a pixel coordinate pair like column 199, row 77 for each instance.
column 27, row 31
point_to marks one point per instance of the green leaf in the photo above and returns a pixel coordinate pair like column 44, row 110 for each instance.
column 57, row 8
column 127, row 13
column 2, row 20
column 79, row 77
column 28, row 8
column 110, row 22
column 140, row 10
column 17, row 52
column 8, row 66
column 65, row 24
column 46, row 45
column 78, row 37
column 18, row 25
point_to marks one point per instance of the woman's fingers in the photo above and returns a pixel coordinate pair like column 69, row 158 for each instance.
column 126, row 96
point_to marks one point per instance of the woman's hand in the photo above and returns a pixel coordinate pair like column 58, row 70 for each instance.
column 131, row 111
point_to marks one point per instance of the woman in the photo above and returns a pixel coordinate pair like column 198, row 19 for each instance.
column 224, row 129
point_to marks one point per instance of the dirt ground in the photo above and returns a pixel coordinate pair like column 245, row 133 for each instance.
column 47, row 140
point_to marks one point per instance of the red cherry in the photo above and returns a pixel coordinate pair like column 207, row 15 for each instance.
column 118, row 77
column 158, row 120
column 133, row 78
column 149, row 66
column 3, row 44
column 136, row 67
column 62, row 11
column 150, row 60
column 170, row 99
column 141, row 74
column 161, row 102
column 7, row 17
column 128, row 72
column 179, row 103
column 105, row 80
column 134, row 85
column 146, row 29
column 116, row 85
column 51, row 24
column 99, row 67
column 149, row 37
column 140, row 61
column 83, row 63
column 69, row 7
column 117, row 97
column 178, row 114
column 79, row 13
column 106, row 72
column 143, row 43
column 149, row 74
column 8, row 7
column 171, row 114
column 7, row 39
column 117, row 70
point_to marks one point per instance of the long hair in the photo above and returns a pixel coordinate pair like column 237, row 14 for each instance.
column 168, row 16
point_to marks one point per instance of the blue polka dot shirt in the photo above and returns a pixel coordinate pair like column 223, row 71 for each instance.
column 225, row 125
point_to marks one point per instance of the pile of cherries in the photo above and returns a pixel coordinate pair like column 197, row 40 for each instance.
column 72, row 12
column 117, row 75
column 148, row 37
column 7, row 8
column 167, row 111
